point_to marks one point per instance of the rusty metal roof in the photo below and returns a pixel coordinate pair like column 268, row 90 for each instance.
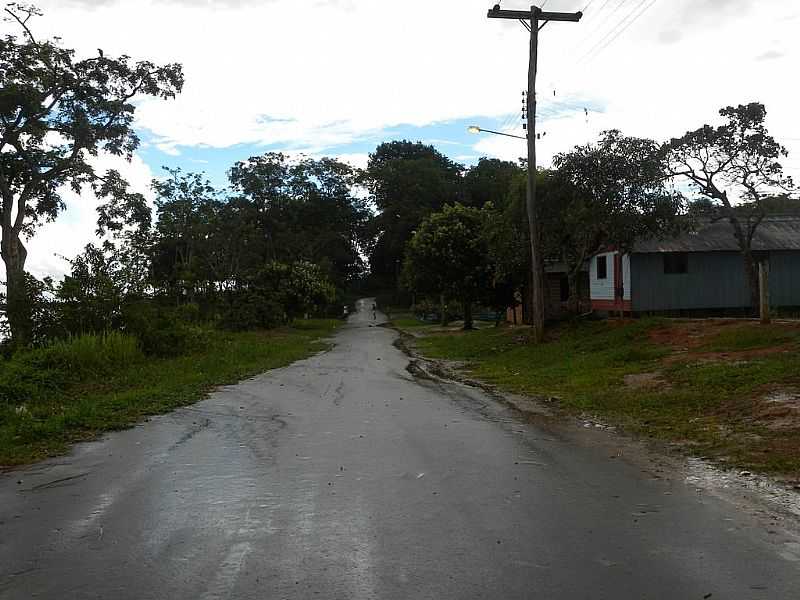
column 774, row 233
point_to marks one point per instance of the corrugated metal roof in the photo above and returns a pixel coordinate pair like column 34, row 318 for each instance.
column 774, row 233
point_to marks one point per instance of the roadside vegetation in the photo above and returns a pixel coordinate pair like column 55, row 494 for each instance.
column 202, row 288
column 74, row 389
column 725, row 390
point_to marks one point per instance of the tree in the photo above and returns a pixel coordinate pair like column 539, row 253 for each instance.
column 449, row 254
column 609, row 193
column 490, row 181
column 301, row 286
column 187, row 206
column 407, row 182
column 91, row 297
column 56, row 114
column 734, row 166
column 306, row 210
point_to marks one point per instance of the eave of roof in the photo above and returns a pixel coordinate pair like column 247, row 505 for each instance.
column 772, row 234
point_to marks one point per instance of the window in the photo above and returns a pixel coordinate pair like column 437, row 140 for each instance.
column 676, row 263
column 602, row 267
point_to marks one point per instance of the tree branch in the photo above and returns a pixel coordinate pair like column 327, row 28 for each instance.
column 22, row 22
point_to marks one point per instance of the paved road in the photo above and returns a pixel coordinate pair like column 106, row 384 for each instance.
column 343, row 477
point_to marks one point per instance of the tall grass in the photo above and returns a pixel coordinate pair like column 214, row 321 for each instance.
column 39, row 373
column 87, row 356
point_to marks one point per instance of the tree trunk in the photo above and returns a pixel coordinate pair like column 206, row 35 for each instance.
column 574, row 300
column 750, row 268
column 18, row 302
column 751, row 275
column 467, row 314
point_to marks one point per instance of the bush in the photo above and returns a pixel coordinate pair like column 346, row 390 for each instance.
column 251, row 309
column 164, row 331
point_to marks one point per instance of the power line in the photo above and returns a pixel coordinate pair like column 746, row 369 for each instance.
column 616, row 31
column 610, row 33
column 600, row 24
column 625, row 28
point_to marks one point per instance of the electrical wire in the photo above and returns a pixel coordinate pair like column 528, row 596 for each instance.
column 600, row 25
column 615, row 32
column 625, row 28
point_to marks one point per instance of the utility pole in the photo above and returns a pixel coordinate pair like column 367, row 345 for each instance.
column 531, row 20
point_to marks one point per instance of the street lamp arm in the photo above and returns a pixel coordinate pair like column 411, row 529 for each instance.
column 475, row 129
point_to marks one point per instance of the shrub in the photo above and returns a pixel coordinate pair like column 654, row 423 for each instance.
column 164, row 331
column 251, row 309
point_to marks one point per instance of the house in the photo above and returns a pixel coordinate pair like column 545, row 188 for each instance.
column 556, row 294
column 699, row 271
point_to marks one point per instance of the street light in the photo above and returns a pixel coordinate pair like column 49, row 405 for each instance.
column 476, row 129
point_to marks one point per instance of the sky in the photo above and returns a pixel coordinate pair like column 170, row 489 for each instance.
column 338, row 77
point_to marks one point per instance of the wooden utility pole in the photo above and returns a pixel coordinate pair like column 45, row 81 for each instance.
column 534, row 20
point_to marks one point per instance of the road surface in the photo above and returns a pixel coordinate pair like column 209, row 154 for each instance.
column 344, row 477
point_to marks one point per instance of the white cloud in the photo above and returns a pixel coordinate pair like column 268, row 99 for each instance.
column 311, row 75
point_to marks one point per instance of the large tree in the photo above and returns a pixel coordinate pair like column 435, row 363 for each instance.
column 449, row 254
column 56, row 114
column 609, row 193
column 734, row 166
column 307, row 209
column 407, row 182
column 188, row 209
column 490, row 181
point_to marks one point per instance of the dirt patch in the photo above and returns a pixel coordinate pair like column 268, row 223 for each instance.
column 739, row 356
column 779, row 410
column 645, row 381
column 692, row 334
column 687, row 335
column 689, row 341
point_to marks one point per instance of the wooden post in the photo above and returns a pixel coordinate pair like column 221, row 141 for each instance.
column 537, row 283
column 534, row 20
column 763, row 289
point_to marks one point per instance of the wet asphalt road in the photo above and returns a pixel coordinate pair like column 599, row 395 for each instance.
column 343, row 477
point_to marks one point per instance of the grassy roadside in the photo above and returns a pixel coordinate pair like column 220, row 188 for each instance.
column 105, row 400
column 725, row 390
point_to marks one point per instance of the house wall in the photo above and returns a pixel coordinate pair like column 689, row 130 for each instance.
column 784, row 278
column 713, row 280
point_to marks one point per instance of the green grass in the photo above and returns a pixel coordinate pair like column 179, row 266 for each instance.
column 82, row 405
column 410, row 323
column 705, row 404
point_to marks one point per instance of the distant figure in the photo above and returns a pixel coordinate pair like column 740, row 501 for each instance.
column 374, row 311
